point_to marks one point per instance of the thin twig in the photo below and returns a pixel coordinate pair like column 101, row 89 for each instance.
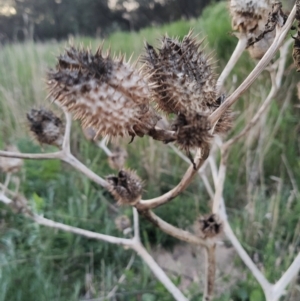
column 102, row 145
column 173, row 231
column 239, row 49
column 70, row 159
column 287, row 277
column 66, row 142
column 181, row 186
column 159, row 273
column 261, row 279
column 210, row 273
column 55, row 155
column 280, row 36
column 136, row 226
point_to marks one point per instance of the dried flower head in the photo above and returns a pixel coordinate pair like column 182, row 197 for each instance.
column 118, row 158
column 249, row 17
column 126, row 187
column 123, row 223
column 182, row 76
column 192, row 131
column 105, row 93
column 11, row 165
column 46, row 127
column 210, row 225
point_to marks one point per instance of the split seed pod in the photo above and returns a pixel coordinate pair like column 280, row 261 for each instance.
column 249, row 18
column 104, row 93
column 126, row 187
column 46, row 127
column 210, row 226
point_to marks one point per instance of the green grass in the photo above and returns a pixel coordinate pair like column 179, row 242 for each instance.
column 38, row 263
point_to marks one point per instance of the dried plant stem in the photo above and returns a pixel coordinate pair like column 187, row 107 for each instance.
column 102, row 145
column 210, row 273
column 55, row 155
column 200, row 171
column 280, row 36
column 121, row 279
column 185, row 181
column 261, row 279
column 287, row 277
column 158, row 272
column 239, row 49
column 219, row 184
column 70, row 159
column 111, row 239
column 173, row 231
column 66, row 141
column 129, row 243
column 276, row 83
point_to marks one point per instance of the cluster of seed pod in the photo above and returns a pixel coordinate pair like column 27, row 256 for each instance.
column 184, row 85
column 112, row 98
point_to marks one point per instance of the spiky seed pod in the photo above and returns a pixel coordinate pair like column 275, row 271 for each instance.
column 89, row 133
column 224, row 124
column 192, row 131
column 210, row 225
column 11, row 165
column 181, row 74
column 104, row 93
column 126, row 187
column 123, row 223
column 118, row 158
column 46, row 127
column 250, row 17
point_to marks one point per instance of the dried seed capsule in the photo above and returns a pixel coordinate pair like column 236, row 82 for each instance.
column 192, row 131
column 126, row 187
column 46, row 127
column 104, row 93
column 210, row 225
column 249, row 17
column 181, row 74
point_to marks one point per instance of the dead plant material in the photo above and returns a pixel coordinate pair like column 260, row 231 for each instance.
column 210, row 226
column 46, row 127
column 126, row 187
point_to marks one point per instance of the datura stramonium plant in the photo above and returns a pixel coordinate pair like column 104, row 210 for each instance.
column 249, row 18
column 112, row 97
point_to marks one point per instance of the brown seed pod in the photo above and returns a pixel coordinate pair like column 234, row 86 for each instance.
column 11, row 165
column 210, row 225
column 192, row 131
column 104, row 93
column 46, row 127
column 126, row 187
column 181, row 74
column 249, row 17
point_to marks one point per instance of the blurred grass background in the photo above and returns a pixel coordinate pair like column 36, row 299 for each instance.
column 37, row 263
